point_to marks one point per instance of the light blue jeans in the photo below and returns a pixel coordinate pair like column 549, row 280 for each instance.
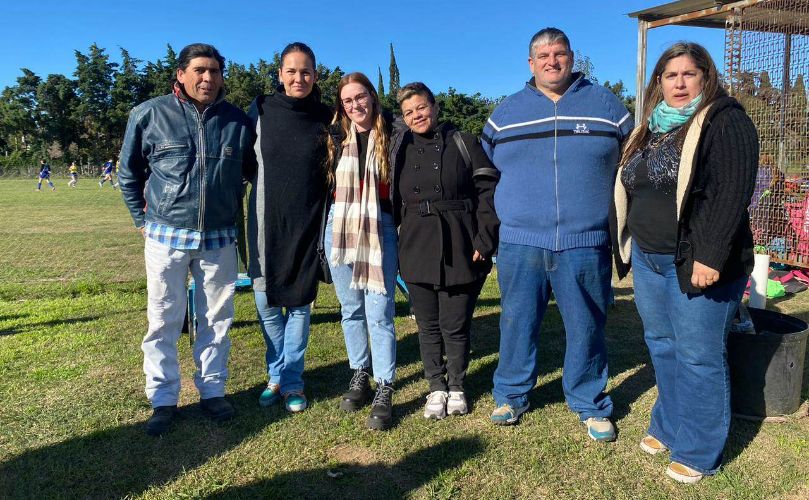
column 367, row 313
column 687, row 339
column 286, row 333
column 214, row 273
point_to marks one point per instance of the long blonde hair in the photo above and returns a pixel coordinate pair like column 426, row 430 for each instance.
column 711, row 90
column 380, row 128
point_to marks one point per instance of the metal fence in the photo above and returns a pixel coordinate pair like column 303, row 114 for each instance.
column 766, row 67
column 32, row 171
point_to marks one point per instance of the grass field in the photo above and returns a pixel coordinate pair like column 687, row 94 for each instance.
column 72, row 408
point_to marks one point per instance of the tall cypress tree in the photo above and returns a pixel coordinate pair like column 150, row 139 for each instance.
column 394, row 74
column 380, row 87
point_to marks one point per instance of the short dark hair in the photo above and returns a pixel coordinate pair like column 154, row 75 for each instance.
column 299, row 47
column 414, row 88
column 199, row 50
column 548, row 36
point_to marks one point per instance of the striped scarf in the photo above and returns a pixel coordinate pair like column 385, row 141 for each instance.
column 355, row 238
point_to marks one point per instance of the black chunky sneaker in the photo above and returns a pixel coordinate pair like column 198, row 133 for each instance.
column 358, row 393
column 160, row 421
column 382, row 408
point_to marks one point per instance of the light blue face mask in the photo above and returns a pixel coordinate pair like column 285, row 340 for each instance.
column 665, row 118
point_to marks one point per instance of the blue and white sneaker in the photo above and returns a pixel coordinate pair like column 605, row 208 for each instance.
column 506, row 414
column 295, row 402
column 600, row 429
column 271, row 395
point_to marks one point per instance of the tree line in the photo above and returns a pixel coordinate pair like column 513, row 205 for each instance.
column 83, row 119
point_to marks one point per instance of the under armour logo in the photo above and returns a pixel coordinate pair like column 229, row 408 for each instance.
column 581, row 128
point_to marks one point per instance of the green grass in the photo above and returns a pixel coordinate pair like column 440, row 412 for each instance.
column 72, row 408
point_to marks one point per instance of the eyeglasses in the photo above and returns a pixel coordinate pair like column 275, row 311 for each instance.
column 359, row 100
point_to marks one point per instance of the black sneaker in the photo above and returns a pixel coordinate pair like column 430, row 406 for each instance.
column 160, row 421
column 218, row 409
column 381, row 408
column 358, row 393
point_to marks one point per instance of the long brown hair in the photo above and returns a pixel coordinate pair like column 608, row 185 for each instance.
column 382, row 136
column 711, row 90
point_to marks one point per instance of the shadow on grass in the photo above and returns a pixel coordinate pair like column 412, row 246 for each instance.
column 124, row 461
column 626, row 350
column 360, row 481
column 27, row 327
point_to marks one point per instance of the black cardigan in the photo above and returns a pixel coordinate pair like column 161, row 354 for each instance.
column 713, row 226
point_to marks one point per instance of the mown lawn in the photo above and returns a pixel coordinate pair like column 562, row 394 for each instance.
column 72, row 313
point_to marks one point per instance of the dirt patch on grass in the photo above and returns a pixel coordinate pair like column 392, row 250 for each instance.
column 353, row 455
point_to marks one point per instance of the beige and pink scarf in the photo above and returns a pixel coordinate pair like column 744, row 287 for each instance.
column 356, row 225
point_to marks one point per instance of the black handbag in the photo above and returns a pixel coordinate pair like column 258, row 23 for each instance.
column 324, row 272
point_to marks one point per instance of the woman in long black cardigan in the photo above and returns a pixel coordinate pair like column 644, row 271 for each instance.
column 680, row 218
column 444, row 203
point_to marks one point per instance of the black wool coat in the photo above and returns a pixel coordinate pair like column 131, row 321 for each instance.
column 444, row 208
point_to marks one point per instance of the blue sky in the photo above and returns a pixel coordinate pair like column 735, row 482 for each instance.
column 473, row 46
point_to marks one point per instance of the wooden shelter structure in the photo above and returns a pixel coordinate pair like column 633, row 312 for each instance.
column 766, row 61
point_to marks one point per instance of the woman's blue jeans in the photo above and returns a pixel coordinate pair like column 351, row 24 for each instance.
column 687, row 339
column 286, row 333
column 367, row 314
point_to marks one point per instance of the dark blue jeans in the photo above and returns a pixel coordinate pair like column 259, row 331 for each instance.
column 687, row 339
column 580, row 280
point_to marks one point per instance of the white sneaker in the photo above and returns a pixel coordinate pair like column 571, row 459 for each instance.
column 436, row 407
column 457, row 403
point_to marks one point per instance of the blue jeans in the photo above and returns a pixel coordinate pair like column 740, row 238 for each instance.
column 286, row 333
column 580, row 280
column 367, row 313
column 687, row 339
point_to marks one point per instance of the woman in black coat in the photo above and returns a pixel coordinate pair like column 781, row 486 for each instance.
column 443, row 198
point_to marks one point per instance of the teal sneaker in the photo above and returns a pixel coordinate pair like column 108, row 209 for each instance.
column 271, row 395
column 295, row 401
column 505, row 414
column 600, row 429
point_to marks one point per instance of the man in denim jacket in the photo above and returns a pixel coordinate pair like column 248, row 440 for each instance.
column 182, row 162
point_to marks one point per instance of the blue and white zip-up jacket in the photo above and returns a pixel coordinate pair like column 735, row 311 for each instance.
column 557, row 163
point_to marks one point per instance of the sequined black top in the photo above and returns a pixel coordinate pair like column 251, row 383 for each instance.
column 650, row 178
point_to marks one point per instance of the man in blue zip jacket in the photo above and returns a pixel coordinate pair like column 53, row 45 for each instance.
column 557, row 143
column 181, row 167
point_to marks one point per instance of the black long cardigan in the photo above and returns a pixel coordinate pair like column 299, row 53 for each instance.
column 713, row 227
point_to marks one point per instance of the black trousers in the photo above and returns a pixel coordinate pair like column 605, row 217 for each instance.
column 444, row 318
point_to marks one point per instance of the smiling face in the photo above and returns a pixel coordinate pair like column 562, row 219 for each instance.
column 201, row 80
column 419, row 114
column 552, row 67
column 358, row 104
column 681, row 81
column 297, row 74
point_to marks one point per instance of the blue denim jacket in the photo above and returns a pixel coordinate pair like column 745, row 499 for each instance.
column 184, row 168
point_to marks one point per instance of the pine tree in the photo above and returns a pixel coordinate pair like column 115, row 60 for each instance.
column 57, row 101
column 94, row 78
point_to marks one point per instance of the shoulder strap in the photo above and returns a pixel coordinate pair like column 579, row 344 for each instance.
column 456, row 136
column 323, row 219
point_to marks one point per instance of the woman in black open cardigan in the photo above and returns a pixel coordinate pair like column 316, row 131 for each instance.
column 680, row 218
